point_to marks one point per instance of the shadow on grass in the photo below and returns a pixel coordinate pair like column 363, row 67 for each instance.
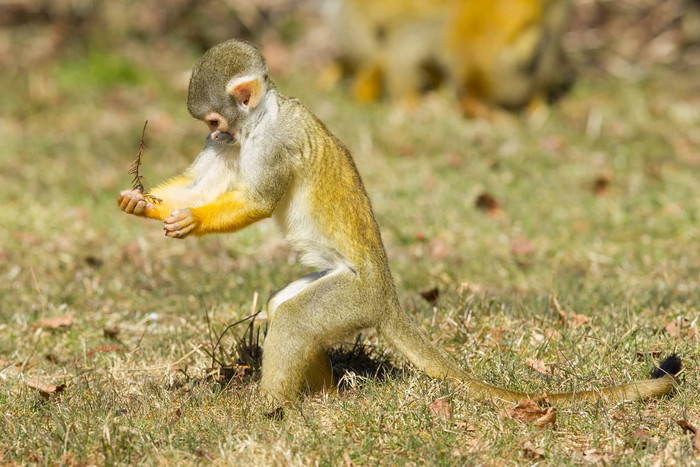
column 349, row 361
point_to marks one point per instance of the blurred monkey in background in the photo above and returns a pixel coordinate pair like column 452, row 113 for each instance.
column 504, row 53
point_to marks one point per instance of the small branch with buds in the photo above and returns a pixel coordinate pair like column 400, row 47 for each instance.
column 137, row 183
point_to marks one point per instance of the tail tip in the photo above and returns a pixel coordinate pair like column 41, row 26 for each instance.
column 669, row 366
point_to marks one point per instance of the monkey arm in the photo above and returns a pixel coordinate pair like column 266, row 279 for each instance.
column 261, row 186
column 229, row 212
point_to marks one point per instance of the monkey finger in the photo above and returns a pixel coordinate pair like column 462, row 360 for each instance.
column 124, row 204
column 180, row 233
column 173, row 224
column 133, row 201
column 141, row 207
column 178, row 215
column 123, row 201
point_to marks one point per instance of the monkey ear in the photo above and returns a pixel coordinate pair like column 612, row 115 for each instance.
column 247, row 90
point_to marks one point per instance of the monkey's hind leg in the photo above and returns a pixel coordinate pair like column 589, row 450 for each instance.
column 306, row 317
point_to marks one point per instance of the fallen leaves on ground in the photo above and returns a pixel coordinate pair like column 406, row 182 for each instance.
column 681, row 326
column 595, row 456
column 529, row 411
column 489, row 205
column 45, row 389
column 531, row 452
column 430, row 295
column 471, row 287
column 105, row 348
column 521, row 246
column 573, row 320
column 689, row 427
column 652, row 354
column 601, row 184
column 440, row 408
column 438, row 249
column 537, row 365
column 55, row 322
column 640, row 438
column 111, row 332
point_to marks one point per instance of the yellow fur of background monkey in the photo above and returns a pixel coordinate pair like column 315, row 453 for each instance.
column 506, row 53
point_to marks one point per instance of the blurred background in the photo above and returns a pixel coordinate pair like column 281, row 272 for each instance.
column 459, row 43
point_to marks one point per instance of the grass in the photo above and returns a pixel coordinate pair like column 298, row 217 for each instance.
column 628, row 257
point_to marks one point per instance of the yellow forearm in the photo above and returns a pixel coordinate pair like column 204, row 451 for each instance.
column 229, row 212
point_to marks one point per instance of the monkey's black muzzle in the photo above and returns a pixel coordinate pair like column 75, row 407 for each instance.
column 222, row 137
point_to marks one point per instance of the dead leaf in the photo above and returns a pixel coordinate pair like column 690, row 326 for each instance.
column 652, row 354
column 497, row 333
column 465, row 426
column 573, row 320
column 521, row 246
column 601, row 184
column 56, row 322
column 45, row 389
column 175, row 417
column 537, row 365
column 51, row 358
column 465, row 287
column 531, row 452
column 430, row 295
column 454, row 160
column 528, row 411
column 111, row 332
column 640, row 438
column 576, row 320
column 593, row 456
column 553, row 143
column 676, row 327
column 275, row 414
column 440, row 408
column 549, row 418
column 105, row 348
column 666, row 457
column 689, row 427
column 438, row 249
column 489, row 205
column 93, row 261
column 429, row 183
column 202, row 454
column 559, row 311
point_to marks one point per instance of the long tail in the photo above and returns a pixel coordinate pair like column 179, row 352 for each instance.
column 398, row 329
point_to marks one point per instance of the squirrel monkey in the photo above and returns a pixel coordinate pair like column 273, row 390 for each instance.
column 268, row 156
column 500, row 52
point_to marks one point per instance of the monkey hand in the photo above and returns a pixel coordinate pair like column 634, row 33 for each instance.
column 134, row 202
column 180, row 224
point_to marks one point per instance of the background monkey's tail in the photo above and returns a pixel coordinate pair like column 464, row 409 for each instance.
column 399, row 331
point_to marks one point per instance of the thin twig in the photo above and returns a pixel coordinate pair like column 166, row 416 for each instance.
column 137, row 182
column 134, row 168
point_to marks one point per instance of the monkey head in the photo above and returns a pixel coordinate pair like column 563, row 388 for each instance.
column 227, row 84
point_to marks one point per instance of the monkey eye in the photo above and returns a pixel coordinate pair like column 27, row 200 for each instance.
column 214, row 123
